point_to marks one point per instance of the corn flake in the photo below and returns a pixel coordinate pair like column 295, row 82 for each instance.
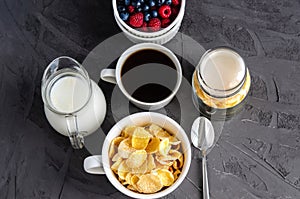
column 123, row 170
column 180, row 161
column 149, row 183
column 164, row 147
column 174, row 155
column 140, row 138
column 153, row 145
column 165, row 176
column 112, row 151
column 134, row 179
column 162, row 134
column 128, row 178
column 128, row 131
column 160, row 166
column 154, row 129
column 177, row 164
column 162, row 160
column 125, row 148
column 116, row 165
column 150, row 163
column 174, row 141
column 136, row 159
column 116, row 141
column 131, row 187
column 116, row 157
column 142, row 169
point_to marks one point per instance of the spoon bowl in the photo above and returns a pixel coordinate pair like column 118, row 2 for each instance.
column 202, row 134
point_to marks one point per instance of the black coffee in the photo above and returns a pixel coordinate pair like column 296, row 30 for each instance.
column 149, row 75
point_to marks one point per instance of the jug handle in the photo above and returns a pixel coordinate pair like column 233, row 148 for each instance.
column 75, row 137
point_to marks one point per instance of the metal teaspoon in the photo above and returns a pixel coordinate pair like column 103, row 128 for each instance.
column 202, row 136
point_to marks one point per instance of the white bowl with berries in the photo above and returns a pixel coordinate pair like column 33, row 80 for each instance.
column 162, row 39
column 148, row 18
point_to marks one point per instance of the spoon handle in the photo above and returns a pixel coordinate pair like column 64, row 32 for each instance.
column 205, row 179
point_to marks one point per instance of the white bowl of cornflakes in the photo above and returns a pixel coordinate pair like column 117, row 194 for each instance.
column 144, row 155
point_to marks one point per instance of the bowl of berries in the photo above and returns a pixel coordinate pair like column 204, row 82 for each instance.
column 161, row 39
column 146, row 20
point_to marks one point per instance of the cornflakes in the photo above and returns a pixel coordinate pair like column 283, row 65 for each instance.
column 146, row 159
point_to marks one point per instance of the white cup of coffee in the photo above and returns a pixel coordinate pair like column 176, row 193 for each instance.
column 148, row 74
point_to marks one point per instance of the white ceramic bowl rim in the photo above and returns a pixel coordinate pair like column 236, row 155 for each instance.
column 115, row 131
column 148, row 34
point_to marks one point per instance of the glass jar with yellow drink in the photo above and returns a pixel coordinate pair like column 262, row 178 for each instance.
column 221, row 83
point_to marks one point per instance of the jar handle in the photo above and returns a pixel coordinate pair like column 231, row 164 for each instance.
column 76, row 139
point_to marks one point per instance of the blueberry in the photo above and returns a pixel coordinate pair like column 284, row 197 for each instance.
column 147, row 16
column 160, row 2
column 127, row 2
column 121, row 8
column 154, row 13
column 142, row 1
column 124, row 16
column 145, row 7
column 168, row 2
column 151, row 3
column 136, row 3
column 139, row 9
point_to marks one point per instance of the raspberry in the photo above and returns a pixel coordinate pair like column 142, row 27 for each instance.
column 164, row 11
column 165, row 23
column 136, row 20
column 174, row 12
column 130, row 9
column 144, row 27
column 154, row 24
column 175, row 2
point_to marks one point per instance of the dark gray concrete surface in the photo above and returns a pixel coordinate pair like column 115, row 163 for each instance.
column 258, row 152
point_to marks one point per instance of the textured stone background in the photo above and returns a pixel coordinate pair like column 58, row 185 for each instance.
column 257, row 155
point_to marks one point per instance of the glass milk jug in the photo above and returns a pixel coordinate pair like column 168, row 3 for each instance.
column 220, row 83
column 74, row 105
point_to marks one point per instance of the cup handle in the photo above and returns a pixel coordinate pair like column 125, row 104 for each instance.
column 76, row 139
column 93, row 165
column 109, row 75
